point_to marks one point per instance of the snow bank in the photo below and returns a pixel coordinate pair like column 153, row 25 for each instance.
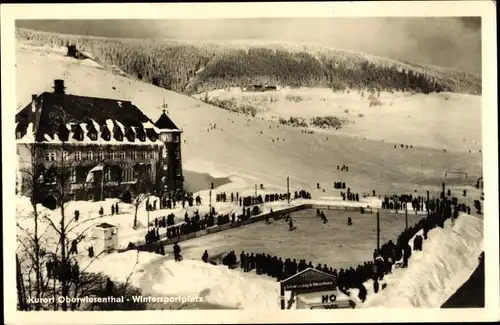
column 217, row 284
column 448, row 257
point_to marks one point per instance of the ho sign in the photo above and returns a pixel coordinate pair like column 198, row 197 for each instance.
column 328, row 298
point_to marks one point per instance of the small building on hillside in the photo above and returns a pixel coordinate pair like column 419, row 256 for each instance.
column 75, row 53
column 89, row 148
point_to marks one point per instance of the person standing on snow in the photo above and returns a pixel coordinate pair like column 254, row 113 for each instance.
column 177, row 252
column 204, row 258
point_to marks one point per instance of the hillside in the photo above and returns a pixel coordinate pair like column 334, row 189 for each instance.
column 259, row 151
column 195, row 67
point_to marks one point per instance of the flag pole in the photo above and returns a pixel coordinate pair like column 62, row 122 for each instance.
column 102, row 183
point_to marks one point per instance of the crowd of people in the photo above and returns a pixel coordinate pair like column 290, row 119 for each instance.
column 384, row 259
column 349, row 196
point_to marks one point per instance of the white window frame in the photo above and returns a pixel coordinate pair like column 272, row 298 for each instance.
column 122, row 155
column 65, row 155
column 152, row 154
column 111, row 155
column 100, row 155
column 134, row 154
column 143, row 155
column 19, row 135
column 90, row 155
column 72, row 176
column 78, row 155
column 107, row 174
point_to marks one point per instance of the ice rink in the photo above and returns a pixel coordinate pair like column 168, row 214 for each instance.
column 334, row 243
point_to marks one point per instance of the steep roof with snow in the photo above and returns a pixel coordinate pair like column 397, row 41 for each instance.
column 165, row 123
column 60, row 113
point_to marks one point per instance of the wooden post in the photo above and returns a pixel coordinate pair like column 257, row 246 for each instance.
column 102, row 182
column 210, row 202
column 282, row 296
column 406, row 215
column 255, row 190
column 427, row 204
column 378, row 231
column 288, row 189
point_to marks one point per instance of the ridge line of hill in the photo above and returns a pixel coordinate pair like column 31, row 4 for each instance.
column 175, row 65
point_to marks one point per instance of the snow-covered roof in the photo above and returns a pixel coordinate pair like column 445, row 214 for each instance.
column 63, row 109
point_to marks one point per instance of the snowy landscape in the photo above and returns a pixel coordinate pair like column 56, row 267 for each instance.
column 394, row 142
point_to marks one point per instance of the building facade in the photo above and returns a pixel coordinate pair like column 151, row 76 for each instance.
column 87, row 148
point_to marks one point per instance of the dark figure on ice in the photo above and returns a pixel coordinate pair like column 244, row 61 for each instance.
column 349, row 221
column 204, row 258
column 112, row 210
column 77, row 215
column 290, row 225
column 177, row 252
column 116, row 208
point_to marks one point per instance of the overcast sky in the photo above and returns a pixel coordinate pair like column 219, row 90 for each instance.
column 448, row 42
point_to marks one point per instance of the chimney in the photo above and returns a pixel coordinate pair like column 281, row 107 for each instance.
column 33, row 102
column 59, row 86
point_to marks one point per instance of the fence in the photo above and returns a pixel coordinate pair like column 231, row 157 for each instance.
column 142, row 246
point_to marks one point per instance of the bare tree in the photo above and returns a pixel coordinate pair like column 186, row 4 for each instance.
column 143, row 186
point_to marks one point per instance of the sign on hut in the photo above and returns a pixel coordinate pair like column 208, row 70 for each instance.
column 314, row 289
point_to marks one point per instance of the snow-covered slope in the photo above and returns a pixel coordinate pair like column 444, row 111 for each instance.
column 410, row 116
column 255, row 150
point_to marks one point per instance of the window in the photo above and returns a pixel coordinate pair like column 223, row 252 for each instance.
column 93, row 135
column 78, row 155
column 111, row 155
column 72, row 176
column 90, row 155
column 122, row 155
column 107, row 174
column 143, row 155
column 176, row 138
column 50, row 156
column 177, row 154
column 65, row 155
column 19, row 135
column 134, row 154
column 100, row 155
column 152, row 155
column 169, row 137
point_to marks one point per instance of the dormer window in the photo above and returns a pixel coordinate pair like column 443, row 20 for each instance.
column 77, row 132
column 129, row 134
column 63, row 133
column 93, row 135
column 19, row 135
column 141, row 135
column 152, row 135
column 118, row 135
column 105, row 134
